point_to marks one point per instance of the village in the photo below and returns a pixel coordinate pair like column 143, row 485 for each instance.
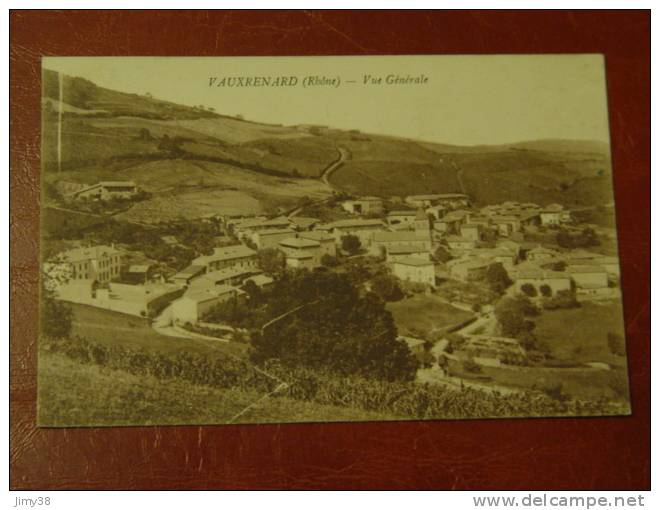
column 434, row 250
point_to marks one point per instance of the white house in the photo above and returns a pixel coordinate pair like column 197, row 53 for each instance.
column 414, row 270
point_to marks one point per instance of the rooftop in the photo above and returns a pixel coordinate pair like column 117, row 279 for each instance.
column 88, row 253
column 401, row 236
column 316, row 235
column 400, row 250
column 236, row 251
column 298, row 242
column 412, row 261
column 357, row 222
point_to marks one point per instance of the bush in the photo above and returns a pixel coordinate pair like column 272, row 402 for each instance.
column 529, row 290
column 546, row 290
column 616, row 344
column 329, row 261
column 351, row 244
column 472, row 366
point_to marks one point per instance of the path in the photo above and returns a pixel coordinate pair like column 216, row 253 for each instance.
column 95, row 215
column 344, row 156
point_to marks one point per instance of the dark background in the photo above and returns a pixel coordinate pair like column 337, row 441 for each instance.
column 582, row 453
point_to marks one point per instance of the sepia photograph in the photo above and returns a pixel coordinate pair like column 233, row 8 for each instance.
column 327, row 239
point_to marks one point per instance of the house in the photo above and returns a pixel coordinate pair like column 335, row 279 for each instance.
column 401, row 217
column 540, row 254
column 451, row 222
column 468, row 269
column 501, row 255
column 460, row 243
column 437, row 211
column 303, row 223
column 448, row 200
column 247, row 228
column 193, row 305
column 364, row 205
column 554, row 214
column 471, row 231
column 530, row 274
column 106, row 190
column 270, row 238
column 237, row 255
column 261, row 280
column 414, row 270
column 588, row 279
column 511, row 246
column 421, row 222
column 185, row 276
column 301, row 253
column 325, row 240
column 138, row 273
column 228, row 276
column 383, row 242
column 401, row 252
column 364, row 229
column 506, row 225
column 99, row 263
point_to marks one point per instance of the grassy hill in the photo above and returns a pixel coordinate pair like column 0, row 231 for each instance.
column 113, row 135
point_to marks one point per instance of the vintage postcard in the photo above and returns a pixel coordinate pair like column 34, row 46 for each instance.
column 313, row 239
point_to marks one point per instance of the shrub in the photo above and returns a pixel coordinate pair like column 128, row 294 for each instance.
column 616, row 344
column 529, row 290
column 472, row 366
column 546, row 290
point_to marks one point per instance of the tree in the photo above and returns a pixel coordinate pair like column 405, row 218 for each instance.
column 562, row 299
column 329, row 261
column 546, row 290
column 271, row 261
column 511, row 314
column 56, row 316
column 254, row 292
column 497, row 278
column 529, row 289
column 327, row 325
column 351, row 244
column 558, row 266
column 616, row 344
column 442, row 254
column 387, row 287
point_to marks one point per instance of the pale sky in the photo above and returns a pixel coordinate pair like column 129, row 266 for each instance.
column 468, row 100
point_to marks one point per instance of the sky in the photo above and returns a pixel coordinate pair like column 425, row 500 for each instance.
column 466, row 100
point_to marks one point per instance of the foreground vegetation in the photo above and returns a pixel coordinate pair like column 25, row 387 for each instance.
column 397, row 399
column 84, row 394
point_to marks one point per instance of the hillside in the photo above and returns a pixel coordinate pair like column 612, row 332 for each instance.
column 192, row 155
column 77, row 394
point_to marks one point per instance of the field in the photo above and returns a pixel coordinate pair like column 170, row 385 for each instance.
column 74, row 394
column 580, row 383
column 422, row 313
column 580, row 334
column 113, row 328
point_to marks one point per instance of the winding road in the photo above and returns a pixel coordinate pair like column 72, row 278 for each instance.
column 343, row 156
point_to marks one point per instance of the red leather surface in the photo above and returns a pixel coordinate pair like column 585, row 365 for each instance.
column 586, row 453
